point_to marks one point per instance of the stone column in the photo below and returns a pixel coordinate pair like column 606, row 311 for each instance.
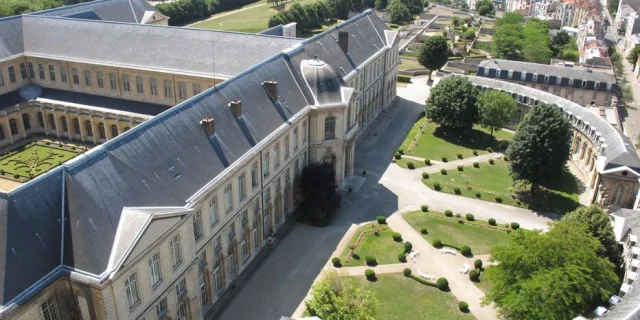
column 21, row 124
column 45, row 121
column 57, row 122
column 83, row 134
column 70, row 127
column 6, row 120
column 93, row 129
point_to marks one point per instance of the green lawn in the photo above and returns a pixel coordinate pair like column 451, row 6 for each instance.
column 483, row 284
column 403, row 163
column 35, row 159
column 435, row 143
column 409, row 64
column 492, row 181
column 252, row 20
column 382, row 247
column 480, row 239
column 403, row 298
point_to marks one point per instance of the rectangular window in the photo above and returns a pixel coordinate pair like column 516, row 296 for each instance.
column 182, row 90
column 197, row 225
column 112, row 81
column 161, row 308
column 287, row 147
column 196, row 89
column 295, row 139
column 243, row 243
column 304, row 131
column 154, row 87
column 217, row 279
column 12, row 74
column 167, row 89
column 202, row 284
column 546, row 79
column 131, row 289
column 265, row 168
column 41, row 71
column 74, row 75
column 523, row 76
column 87, row 78
column 535, row 77
column 597, row 85
column 23, row 71
column 181, row 288
column 217, row 244
column 242, row 187
column 232, row 231
column 32, row 74
column 276, row 156
column 584, row 83
column 254, row 175
column 155, row 273
column 125, row 83
column 49, row 309
column 213, row 211
column 176, row 254
column 139, row 85
column 100, row 78
column 228, row 198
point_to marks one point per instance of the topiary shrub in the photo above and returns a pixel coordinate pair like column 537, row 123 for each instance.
column 444, row 159
column 469, row 217
column 402, row 257
column 505, row 158
column 457, row 190
column 16, row 176
column 476, row 165
column 443, row 171
column 491, row 161
column 396, row 236
column 410, row 165
column 465, row 251
column 406, row 272
column 498, row 199
column 381, row 219
column 397, row 156
column 489, row 149
column 475, row 152
column 371, row 261
column 401, row 151
column 477, row 264
column 458, row 215
column 370, row 274
column 425, row 175
column 459, row 155
column 436, row 243
column 335, row 261
column 423, row 230
column 436, row 186
column 515, row 225
column 424, row 208
column 442, row 283
column 492, row 221
column 474, row 275
column 448, row 213
column 427, row 162
column 464, row 307
column 408, row 247
column 478, row 195
column 460, row 168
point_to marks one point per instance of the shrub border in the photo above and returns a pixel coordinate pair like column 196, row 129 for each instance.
column 474, row 223
column 359, row 241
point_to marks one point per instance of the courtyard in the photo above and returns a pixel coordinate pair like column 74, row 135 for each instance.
column 375, row 241
column 35, row 158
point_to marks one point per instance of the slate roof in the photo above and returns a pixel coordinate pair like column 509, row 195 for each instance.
column 619, row 151
column 165, row 160
column 130, row 11
column 11, row 40
column 553, row 72
column 139, row 107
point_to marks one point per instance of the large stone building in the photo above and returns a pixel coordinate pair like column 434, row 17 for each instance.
column 607, row 161
column 203, row 134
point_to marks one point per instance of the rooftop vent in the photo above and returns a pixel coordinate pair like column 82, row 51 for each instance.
column 236, row 107
column 208, row 124
column 272, row 88
column 343, row 40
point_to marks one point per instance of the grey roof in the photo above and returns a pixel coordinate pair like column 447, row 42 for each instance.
column 130, row 11
column 199, row 51
column 10, row 99
column 619, row 150
column 138, row 107
column 325, row 84
column 274, row 31
column 553, row 72
column 87, row 15
column 11, row 40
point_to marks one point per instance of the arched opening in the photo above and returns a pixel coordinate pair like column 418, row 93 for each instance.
column 618, row 194
column 52, row 122
column 65, row 126
column 40, row 120
column 89, row 128
column 114, row 131
column 101, row 131
column 76, row 126
column 13, row 126
column 583, row 152
column 26, row 121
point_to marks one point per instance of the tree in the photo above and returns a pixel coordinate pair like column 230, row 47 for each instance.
column 540, row 147
column 558, row 41
column 337, row 297
column 433, row 53
column 508, row 41
column 358, row 5
column 470, row 33
column 510, row 18
column 496, row 109
column 485, row 8
column 339, row 8
column 415, row 6
column 633, row 56
column 536, row 45
column 312, row 12
column 452, row 104
column 300, row 16
column 554, row 275
column 370, row 3
column 570, row 55
column 399, row 12
column 318, row 184
column 598, row 224
column 381, row 4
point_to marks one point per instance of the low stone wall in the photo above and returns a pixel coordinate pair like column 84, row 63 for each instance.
column 467, row 67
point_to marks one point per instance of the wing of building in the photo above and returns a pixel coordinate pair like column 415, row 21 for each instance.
column 197, row 138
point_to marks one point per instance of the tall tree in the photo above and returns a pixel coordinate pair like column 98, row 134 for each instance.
column 358, row 5
column 510, row 18
column 381, row 4
column 485, row 8
column 540, row 147
column 559, row 40
column 536, row 46
column 546, row 276
column 340, row 8
column 508, row 41
column 598, row 224
column 496, row 109
column 433, row 54
column 633, row 56
column 452, row 104
column 337, row 297
column 319, row 185
column 399, row 12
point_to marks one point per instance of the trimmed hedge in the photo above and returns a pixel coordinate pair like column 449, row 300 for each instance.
column 505, row 158
column 477, row 264
column 370, row 260
column 406, row 272
column 515, row 225
column 427, row 162
column 475, row 152
column 424, row 230
column 444, row 159
column 423, row 281
column 401, row 151
column 370, row 274
column 498, row 199
column 478, row 195
column 381, row 219
column 442, row 283
column 474, row 275
column 492, row 222
column 335, row 261
column 424, row 208
column 408, row 247
column 436, row 186
column 410, row 165
column 448, row 213
column 464, row 307
column 476, row 165
column 402, row 257
column 443, row 171
column 459, row 155
column 460, row 168
column 425, row 175
column 470, row 217
column 457, row 190
column 491, row 161
column 397, row 156
column 436, row 243
column 465, row 251
column 396, row 236
column 489, row 149
column 404, row 78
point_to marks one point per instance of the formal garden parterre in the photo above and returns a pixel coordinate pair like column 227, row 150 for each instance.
column 35, row 158
column 375, row 241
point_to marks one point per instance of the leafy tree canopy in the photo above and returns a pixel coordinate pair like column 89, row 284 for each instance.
column 319, row 187
column 399, row 12
column 633, row 56
column 540, row 147
column 381, row 4
column 554, row 275
column 496, row 109
column 537, row 46
column 485, row 8
column 337, row 297
column 340, row 8
column 452, row 104
column 510, row 18
column 433, row 53
column 508, row 42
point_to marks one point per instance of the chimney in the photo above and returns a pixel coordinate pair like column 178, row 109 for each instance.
column 236, row 107
column 209, row 126
column 343, row 40
column 272, row 88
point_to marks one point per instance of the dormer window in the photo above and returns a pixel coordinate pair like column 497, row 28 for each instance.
column 597, row 85
column 609, row 86
column 523, row 76
column 570, row 82
column 486, row 71
column 558, row 80
column 535, row 77
column 546, row 79
column 584, row 83
column 498, row 72
column 510, row 74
